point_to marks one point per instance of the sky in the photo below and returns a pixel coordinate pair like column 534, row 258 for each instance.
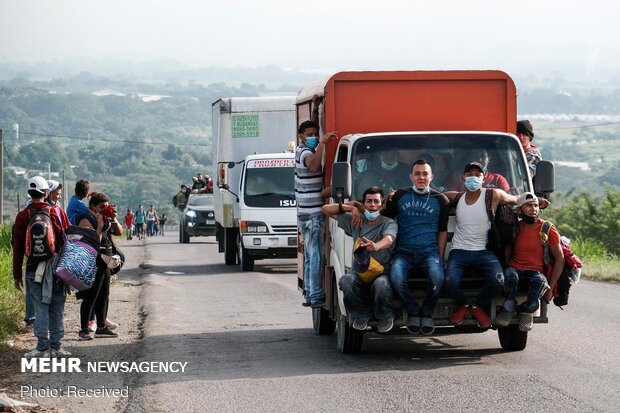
column 578, row 38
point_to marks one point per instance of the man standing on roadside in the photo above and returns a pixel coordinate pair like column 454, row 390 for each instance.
column 422, row 216
column 76, row 206
column 310, row 219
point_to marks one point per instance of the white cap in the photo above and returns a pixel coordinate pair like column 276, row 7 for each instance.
column 39, row 184
column 53, row 185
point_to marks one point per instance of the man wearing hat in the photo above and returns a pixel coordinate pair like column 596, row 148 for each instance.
column 469, row 245
column 48, row 294
column 525, row 133
column 527, row 267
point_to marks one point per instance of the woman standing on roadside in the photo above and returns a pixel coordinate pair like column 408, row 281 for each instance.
column 101, row 217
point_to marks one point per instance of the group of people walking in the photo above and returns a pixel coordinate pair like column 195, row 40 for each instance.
column 134, row 223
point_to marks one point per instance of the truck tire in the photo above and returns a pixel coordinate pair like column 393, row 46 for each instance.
column 511, row 338
column 348, row 339
column 245, row 260
column 322, row 323
column 230, row 246
column 219, row 237
column 184, row 235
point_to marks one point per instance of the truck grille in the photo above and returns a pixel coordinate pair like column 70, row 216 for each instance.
column 280, row 229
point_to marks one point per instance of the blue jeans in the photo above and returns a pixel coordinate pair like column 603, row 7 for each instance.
column 150, row 228
column 484, row 261
column 49, row 318
column 362, row 300
column 532, row 280
column 430, row 262
column 30, row 314
column 312, row 230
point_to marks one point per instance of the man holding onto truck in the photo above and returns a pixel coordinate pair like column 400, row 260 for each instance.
column 363, row 298
column 474, row 210
column 525, row 133
column 311, row 221
column 422, row 216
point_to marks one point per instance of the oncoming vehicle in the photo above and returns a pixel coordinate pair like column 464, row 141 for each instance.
column 198, row 218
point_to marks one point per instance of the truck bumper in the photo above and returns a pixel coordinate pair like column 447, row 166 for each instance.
column 270, row 246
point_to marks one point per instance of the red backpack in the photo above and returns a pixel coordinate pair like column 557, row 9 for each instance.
column 40, row 238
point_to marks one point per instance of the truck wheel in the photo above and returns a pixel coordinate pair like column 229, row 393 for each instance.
column 219, row 237
column 246, row 261
column 511, row 338
column 184, row 235
column 348, row 339
column 230, row 246
column 322, row 323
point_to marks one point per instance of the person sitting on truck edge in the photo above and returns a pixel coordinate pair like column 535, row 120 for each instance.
column 422, row 216
column 311, row 221
column 526, row 267
column 469, row 244
column 377, row 234
column 491, row 179
column 525, row 133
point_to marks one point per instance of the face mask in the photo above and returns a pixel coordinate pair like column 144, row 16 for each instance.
column 473, row 183
column 388, row 167
column 530, row 220
column 362, row 165
column 371, row 216
column 312, row 142
column 421, row 191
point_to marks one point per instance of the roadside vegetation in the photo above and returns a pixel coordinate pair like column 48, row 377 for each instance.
column 11, row 300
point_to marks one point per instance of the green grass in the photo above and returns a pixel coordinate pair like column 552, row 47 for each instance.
column 11, row 300
column 598, row 264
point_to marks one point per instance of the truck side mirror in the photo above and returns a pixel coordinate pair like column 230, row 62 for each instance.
column 544, row 181
column 341, row 181
column 231, row 165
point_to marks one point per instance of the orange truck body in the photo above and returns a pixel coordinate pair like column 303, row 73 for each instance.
column 406, row 101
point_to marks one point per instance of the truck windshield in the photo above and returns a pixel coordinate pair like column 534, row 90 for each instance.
column 269, row 187
column 201, row 200
column 385, row 161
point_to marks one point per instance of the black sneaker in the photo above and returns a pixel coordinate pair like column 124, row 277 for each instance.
column 105, row 332
column 84, row 335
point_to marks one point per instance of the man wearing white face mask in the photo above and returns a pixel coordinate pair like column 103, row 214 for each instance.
column 469, row 244
column 310, row 220
column 365, row 300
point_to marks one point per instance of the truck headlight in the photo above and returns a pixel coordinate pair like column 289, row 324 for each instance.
column 255, row 227
column 191, row 213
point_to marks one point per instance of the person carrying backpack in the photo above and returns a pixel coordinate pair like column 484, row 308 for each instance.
column 527, row 266
column 38, row 234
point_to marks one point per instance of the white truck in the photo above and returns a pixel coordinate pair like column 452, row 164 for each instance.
column 255, row 207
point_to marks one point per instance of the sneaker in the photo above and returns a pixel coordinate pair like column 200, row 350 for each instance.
column 111, row 325
column 360, row 324
column 526, row 321
column 317, row 304
column 413, row 324
column 427, row 326
column 104, row 333
column 459, row 314
column 383, row 326
column 37, row 353
column 92, row 326
column 481, row 316
column 306, row 303
column 84, row 335
column 61, row 352
column 504, row 318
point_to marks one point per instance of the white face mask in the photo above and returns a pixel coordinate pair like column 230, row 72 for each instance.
column 389, row 167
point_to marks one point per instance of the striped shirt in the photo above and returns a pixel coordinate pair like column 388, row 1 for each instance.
column 308, row 185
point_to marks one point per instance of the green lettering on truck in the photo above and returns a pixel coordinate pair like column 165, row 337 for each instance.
column 245, row 126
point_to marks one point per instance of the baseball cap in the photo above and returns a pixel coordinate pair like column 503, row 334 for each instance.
column 473, row 165
column 38, row 183
column 53, row 185
column 526, row 197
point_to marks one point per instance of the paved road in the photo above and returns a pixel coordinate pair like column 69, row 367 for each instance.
column 249, row 346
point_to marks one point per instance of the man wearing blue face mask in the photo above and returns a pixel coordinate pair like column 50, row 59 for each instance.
column 388, row 175
column 365, row 300
column 474, row 209
column 422, row 216
column 310, row 219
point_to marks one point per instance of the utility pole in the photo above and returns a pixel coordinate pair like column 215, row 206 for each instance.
column 1, row 177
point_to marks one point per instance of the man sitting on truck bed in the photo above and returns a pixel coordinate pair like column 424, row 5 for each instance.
column 422, row 216
column 469, row 244
column 365, row 298
column 311, row 222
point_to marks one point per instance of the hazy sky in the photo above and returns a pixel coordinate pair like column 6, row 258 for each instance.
column 526, row 36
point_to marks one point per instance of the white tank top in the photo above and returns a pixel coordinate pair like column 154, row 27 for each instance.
column 472, row 225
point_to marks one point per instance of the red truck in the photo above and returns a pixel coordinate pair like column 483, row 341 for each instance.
column 448, row 116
